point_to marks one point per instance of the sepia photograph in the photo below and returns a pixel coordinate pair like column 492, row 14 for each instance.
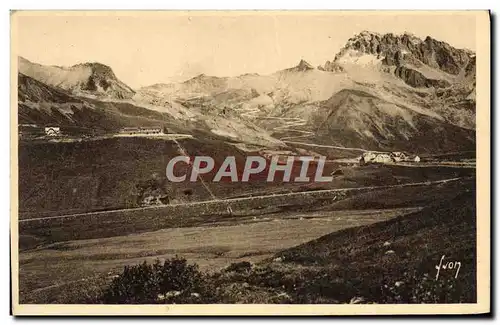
column 250, row 162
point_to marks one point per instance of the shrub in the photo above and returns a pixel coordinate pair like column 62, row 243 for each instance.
column 174, row 281
column 426, row 289
column 239, row 267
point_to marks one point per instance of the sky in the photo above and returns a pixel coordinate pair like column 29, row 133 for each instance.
column 159, row 47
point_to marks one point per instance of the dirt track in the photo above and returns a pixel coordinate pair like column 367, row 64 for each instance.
column 214, row 206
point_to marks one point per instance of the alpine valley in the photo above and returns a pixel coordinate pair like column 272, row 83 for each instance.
column 379, row 92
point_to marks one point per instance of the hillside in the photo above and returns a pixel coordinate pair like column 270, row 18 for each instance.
column 356, row 118
column 82, row 79
column 392, row 261
column 380, row 92
column 41, row 104
column 446, row 74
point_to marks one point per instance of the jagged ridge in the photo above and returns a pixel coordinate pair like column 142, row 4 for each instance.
column 399, row 49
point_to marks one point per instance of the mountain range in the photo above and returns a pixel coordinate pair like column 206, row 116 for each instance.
column 380, row 92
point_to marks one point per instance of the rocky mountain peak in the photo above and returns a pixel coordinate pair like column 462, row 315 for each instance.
column 90, row 78
column 304, row 65
column 397, row 50
column 204, row 79
column 98, row 69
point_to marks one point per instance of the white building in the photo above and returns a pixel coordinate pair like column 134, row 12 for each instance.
column 398, row 156
column 141, row 130
column 52, row 131
column 383, row 158
column 372, row 157
column 417, row 159
column 367, row 157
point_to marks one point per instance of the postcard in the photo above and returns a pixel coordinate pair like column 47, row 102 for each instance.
column 250, row 162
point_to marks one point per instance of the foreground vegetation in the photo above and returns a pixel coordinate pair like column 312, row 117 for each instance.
column 387, row 262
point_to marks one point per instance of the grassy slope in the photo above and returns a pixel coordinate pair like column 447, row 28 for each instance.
column 354, row 262
column 99, row 174
column 93, row 175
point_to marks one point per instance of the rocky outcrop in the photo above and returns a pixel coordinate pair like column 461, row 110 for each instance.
column 441, row 55
column 206, row 82
column 331, row 67
column 470, row 69
column 399, row 49
column 102, row 79
column 417, row 80
column 152, row 191
column 304, row 66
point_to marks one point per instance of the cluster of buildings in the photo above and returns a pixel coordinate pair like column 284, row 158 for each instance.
column 38, row 131
column 137, row 130
column 387, row 157
column 33, row 130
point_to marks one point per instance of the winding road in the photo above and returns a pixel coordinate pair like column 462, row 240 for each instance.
column 288, row 125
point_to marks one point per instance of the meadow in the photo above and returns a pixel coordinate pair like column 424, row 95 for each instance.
column 64, row 270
